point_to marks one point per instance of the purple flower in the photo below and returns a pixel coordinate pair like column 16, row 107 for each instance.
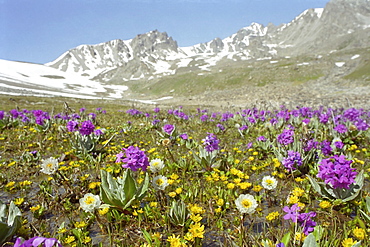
column 211, row 142
column 39, row 120
column 292, row 161
column 86, row 128
column 280, row 245
column 184, row 136
column 287, row 137
column 221, row 127
column 36, row 241
column 351, row 114
column 92, row 115
column 292, row 212
column 340, row 128
column 204, row 118
column 337, row 172
column 72, row 126
column 306, row 121
column 326, row 148
column 98, row 132
column 14, row 113
column 310, row 144
column 339, row 144
column 82, row 109
column 168, row 128
column 156, row 110
column 304, row 219
column 243, row 127
column 261, row 139
column 134, row 112
column 135, row 159
column 156, row 121
column 306, row 222
column 2, row 115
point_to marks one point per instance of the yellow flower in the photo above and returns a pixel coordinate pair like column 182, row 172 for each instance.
column 103, row 210
column 172, row 194
column 153, row 204
column 175, row 241
column 178, row 190
column 197, row 230
column 93, row 185
column 62, row 230
column 10, row 185
column 234, row 171
column 325, row 204
column 35, row 208
column 196, row 217
column 86, row 240
column 244, row 185
column 359, row 233
column 69, row 239
column 299, row 236
column 80, row 224
column 189, row 237
column 257, row 188
column 298, row 192
column 18, row 201
column 220, row 202
column 195, row 209
column 293, row 199
column 140, row 211
column 348, row 242
column 174, row 176
column 25, row 183
column 218, row 210
column 157, row 235
column 271, row 216
column 230, row 186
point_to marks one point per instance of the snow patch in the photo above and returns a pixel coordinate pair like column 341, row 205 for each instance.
column 340, row 64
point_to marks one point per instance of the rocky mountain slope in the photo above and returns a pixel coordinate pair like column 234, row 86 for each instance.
column 342, row 24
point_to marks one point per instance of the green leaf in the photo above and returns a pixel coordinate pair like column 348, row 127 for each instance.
column 147, row 236
column 368, row 204
column 129, row 186
column 310, row 241
column 366, row 216
column 286, row 239
column 358, row 244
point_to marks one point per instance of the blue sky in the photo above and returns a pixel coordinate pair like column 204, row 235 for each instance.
column 39, row 31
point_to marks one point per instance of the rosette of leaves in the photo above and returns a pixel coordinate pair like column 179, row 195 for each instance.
column 342, row 194
column 120, row 193
column 366, row 214
column 207, row 159
column 10, row 221
column 178, row 213
column 84, row 143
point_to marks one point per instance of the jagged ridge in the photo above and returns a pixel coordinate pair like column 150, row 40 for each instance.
column 341, row 24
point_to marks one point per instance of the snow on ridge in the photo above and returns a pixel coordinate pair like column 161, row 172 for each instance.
column 319, row 11
column 42, row 79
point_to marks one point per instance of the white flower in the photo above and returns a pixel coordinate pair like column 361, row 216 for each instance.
column 49, row 166
column 269, row 183
column 246, row 204
column 160, row 182
column 156, row 165
column 90, row 202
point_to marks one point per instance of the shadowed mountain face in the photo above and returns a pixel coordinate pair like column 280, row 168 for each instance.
column 342, row 24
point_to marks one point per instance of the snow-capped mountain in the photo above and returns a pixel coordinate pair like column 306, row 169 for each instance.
column 20, row 78
column 341, row 24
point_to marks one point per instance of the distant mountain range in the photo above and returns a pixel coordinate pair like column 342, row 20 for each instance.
column 321, row 56
column 342, row 24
